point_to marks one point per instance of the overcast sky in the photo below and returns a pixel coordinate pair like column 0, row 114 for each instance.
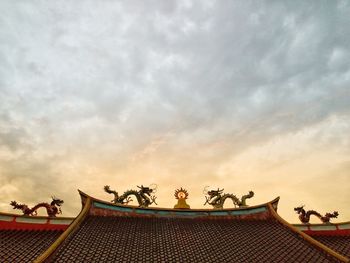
column 242, row 95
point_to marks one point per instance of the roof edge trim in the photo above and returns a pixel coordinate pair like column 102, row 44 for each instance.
column 36, row 217
column 345, row 225
column 307, row 237
column 330, row 229
column 21, row 222
column 72, row 227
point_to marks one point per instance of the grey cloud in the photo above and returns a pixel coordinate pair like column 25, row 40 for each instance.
column 13, row 139
column 108, row 79
column 279, row 50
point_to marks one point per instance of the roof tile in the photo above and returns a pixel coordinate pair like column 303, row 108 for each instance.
column 340, row 244
column 137, row 239
column 24, row 245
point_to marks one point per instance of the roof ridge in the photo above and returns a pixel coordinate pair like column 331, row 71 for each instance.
column 101, row 207
column 274, row 203
column 306, row 237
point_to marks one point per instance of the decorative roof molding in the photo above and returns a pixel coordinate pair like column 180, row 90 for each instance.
column 331, row 229
column 103, row 208
column 21, row 222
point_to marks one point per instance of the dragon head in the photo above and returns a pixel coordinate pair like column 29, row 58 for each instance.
column 299, row 209
column 154, row 188
column 56, row 201
column 213, row 193
column 145, row 190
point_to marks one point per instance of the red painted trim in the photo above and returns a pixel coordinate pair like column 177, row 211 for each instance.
column 11, row 225
column 339, row 232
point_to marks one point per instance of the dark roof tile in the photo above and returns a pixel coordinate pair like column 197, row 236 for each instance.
column 24, row 245
column 340, row 244
column 155, row 239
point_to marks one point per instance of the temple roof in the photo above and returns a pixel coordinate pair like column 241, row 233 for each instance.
column 106, row 232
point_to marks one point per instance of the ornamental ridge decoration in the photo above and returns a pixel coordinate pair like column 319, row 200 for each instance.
column 304, row 216
column 52, row 209
column 217, row 198
column 181, row 195
column 144, row 196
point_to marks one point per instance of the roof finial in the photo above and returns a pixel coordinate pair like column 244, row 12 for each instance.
column 181, row 195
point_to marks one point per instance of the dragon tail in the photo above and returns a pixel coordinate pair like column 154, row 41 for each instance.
column 234, row 199
column 25, row 209
column 36, row 207
column 313, row 212
column 245, row 197
column 125, row 198
column 109, row 191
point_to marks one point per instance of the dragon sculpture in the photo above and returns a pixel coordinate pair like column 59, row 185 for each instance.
column 144, row 195
column 304, row 216
column 52, row 209
column 216, row 198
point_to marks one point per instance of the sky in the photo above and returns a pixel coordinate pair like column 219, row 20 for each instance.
column 241, row 95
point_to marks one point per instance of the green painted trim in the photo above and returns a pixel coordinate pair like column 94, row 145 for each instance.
column 302, row 228
column 145, row 212
column 323, row 228
column 249, row 212
column 163, row 213
column 6, row 218
column 32, row 220
column 112, row 207
column 185, row 213
column 344, row 226
column 219, row 213
column 60, row 221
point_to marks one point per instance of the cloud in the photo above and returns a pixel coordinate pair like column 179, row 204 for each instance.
column 171, row 93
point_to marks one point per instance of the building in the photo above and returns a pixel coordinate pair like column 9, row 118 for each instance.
column 107, row 232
